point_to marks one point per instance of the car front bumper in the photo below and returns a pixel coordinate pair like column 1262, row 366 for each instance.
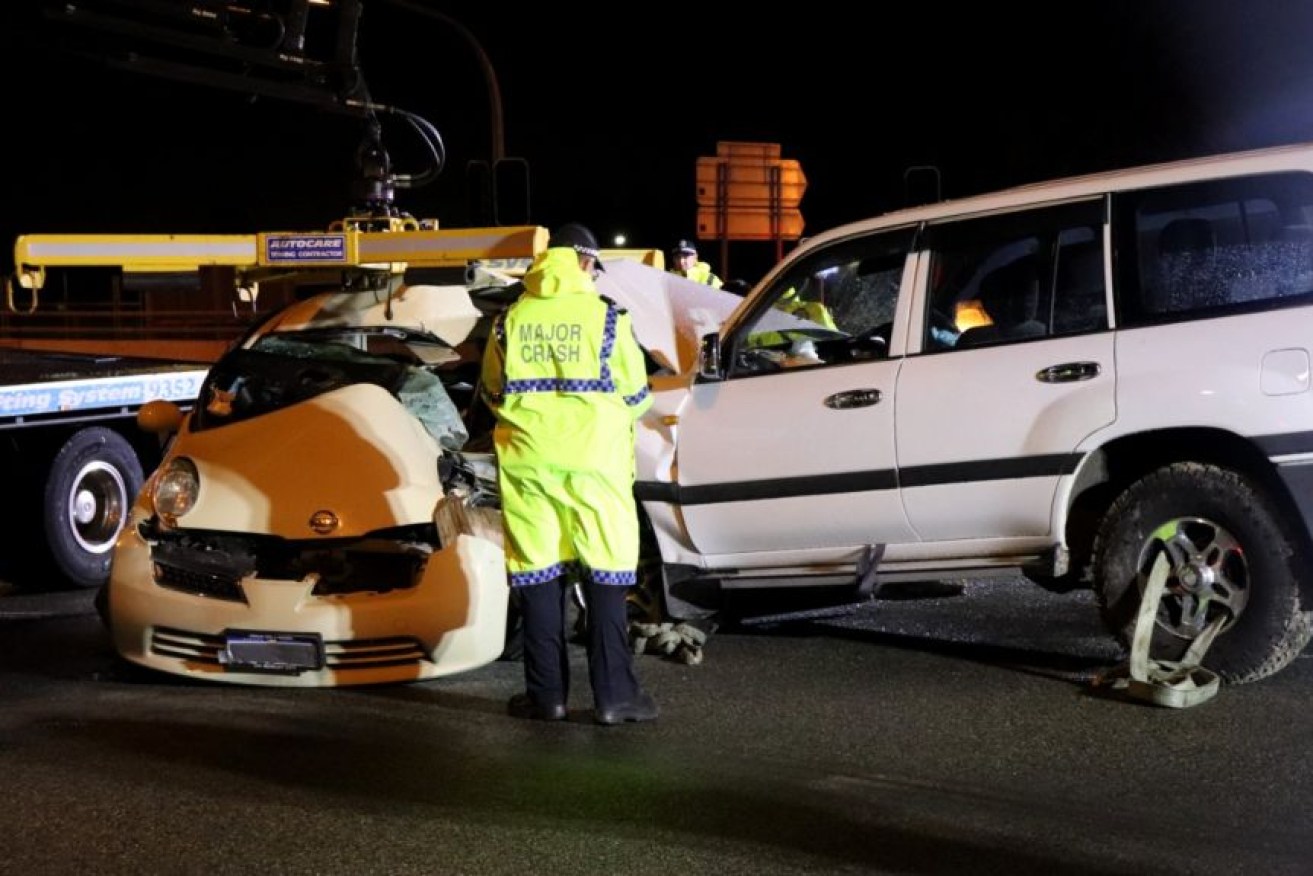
column 283, row 634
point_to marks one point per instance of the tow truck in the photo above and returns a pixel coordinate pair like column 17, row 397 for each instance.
column 69, row 420
column 67, row 415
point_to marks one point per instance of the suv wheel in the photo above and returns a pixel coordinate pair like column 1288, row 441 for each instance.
column 1231, row 556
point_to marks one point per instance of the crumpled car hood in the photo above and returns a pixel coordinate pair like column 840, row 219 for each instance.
column 443, row 311
column 354, row 451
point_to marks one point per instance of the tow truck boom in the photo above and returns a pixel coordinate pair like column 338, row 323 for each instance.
column 351, row 244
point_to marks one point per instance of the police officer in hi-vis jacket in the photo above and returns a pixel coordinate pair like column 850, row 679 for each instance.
column 567, row 380
column 684, row 261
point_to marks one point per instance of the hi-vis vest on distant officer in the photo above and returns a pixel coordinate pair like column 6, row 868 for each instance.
column 567, row 380
column 684, row 262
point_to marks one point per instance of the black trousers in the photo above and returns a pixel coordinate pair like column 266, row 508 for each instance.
column 546, row 655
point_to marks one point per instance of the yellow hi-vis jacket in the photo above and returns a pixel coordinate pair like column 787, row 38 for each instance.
column 566, row 378
column 701, row 273
column 814, row 310
column 792, row 304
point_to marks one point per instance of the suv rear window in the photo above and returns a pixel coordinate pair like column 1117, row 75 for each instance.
column 1215, row 248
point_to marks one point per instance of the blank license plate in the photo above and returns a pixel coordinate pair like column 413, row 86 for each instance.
column 288, row 653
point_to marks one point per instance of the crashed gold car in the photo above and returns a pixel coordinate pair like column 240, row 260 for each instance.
column 314, row 521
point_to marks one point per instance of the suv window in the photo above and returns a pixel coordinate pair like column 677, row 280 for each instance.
column 1212, row 248
column 1000, row 279
column 835, row 306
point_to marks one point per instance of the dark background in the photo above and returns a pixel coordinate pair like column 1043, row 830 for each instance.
column 611, row 106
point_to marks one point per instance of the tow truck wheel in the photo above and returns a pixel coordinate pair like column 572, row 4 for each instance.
column 92, row 483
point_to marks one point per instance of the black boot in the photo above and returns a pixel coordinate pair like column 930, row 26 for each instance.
column 617, row 695
column 523, row 706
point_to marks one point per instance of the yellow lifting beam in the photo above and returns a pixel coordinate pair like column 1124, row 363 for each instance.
column 348, row 243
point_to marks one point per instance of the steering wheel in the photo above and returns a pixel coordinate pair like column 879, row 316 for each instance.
column 757, row 360
column 872, row 343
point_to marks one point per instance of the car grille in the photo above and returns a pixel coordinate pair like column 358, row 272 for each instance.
column 345, row 654
column 215, row 584
column 214, row 564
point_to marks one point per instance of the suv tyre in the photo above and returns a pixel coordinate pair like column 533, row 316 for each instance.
column 1232, row 555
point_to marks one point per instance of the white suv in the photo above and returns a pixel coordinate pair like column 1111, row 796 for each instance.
column 1067, row 378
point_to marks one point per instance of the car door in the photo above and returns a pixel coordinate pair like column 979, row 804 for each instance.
column 988, row 423
column 793, row 449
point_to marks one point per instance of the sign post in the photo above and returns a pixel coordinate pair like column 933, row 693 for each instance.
column 748, row 192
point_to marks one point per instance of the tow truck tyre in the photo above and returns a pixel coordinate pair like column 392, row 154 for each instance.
column 1232, row 556
column 92, row 483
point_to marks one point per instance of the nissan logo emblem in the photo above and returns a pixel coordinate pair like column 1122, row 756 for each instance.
column 324, row 522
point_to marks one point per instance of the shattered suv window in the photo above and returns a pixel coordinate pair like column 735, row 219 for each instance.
column 833, row 307
column 1222, row 246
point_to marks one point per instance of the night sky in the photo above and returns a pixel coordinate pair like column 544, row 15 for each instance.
column 611, row 107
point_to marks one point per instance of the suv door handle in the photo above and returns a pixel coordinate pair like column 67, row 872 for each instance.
column 853, row 398
column 1069, row 372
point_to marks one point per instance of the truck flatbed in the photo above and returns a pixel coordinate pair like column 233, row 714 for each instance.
column 46, row 387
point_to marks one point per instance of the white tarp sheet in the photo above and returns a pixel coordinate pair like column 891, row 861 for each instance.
column 670, row 314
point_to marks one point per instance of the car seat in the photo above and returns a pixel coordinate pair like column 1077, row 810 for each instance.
column 1010, row 295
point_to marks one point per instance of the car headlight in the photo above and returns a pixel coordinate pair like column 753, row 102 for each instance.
column 176, row 488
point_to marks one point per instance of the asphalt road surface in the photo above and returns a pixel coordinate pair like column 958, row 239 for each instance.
column 956, row 733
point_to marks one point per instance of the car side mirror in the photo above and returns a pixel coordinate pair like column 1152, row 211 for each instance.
column 159, row 417
column 709, row 366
